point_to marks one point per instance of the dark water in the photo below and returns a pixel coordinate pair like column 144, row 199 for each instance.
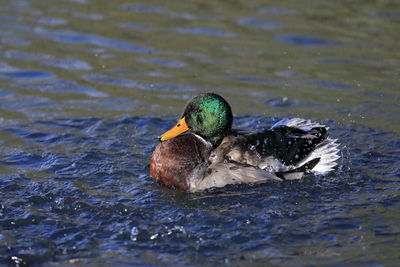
column 86, row 87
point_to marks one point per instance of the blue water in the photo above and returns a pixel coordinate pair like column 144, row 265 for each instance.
column 82, row 192
column 87, row 86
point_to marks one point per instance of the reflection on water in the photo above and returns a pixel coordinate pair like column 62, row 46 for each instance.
column 86, row 87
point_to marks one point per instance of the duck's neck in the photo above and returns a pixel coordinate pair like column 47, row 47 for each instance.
column 216, row 140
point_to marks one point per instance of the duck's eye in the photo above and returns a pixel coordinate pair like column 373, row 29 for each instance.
column 178, row 125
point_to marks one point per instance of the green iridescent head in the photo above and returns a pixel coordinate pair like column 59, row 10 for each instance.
column 208, row 115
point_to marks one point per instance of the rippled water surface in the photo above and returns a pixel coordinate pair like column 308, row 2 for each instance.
column 86, row 86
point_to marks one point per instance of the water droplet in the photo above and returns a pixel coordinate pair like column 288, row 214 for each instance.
column 18, row 261
column 134, row 233
column 154, row 236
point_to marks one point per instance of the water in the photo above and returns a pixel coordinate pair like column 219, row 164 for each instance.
column 86, row 87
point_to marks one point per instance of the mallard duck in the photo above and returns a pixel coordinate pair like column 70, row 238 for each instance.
column 203, row 151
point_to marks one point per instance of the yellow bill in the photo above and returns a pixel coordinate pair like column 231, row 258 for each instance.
column 178, row 129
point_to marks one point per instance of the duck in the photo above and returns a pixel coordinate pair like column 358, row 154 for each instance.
column 202, row 150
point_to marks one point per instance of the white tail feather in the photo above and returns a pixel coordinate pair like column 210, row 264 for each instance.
column 327, row 151
column 302, row 124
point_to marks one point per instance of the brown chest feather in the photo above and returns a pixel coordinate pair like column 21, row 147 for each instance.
column 174, row 160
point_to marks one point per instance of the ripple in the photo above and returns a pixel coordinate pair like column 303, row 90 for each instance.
column 61, row 86
column 277, row 11
column 281, row 102
column 49, row 139
column 10, row 18
column 391, row 15
column 20, row 6
column 15, row 26
column 207, row 31
column 28, row 105
column 15, row 54
column 23, row 160
column 262, row 81
column 110, row 104
column 136, row 27
column 331, row 85
column 12, row 41
column 143, row 8
column 52, row 21
column 258, row 23
column 305, row 40
column 90, row 16
column 164, row 62
column 27, row 75
column 68, row 36
column 68, row 64
column 5, row 93
column 108, row 80
column 49, row 60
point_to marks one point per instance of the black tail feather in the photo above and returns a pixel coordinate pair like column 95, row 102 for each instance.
column 288, row 144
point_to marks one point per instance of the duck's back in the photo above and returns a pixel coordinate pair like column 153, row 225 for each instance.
column 288, row 145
